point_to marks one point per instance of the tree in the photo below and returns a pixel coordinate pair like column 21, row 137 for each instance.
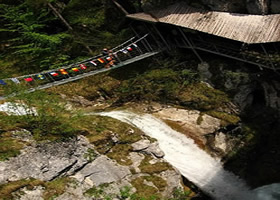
column 30, row 38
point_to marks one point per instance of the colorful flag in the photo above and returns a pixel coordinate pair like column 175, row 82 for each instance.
column 54, row 73
column 28, row 79
column 108, row 58
column 129, row 48
column 15, row 80
column 3, row 82
column 101, row 60
column 94, row 63
column 63, row 71
column 82, row 66
column 40, row 76
column 75, row 69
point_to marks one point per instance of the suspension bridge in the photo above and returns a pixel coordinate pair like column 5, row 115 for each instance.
column 130, row 51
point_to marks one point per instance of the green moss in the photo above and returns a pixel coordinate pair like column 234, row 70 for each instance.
column 157, row 181
column 143, row 190
column 225, row 117
column 120, row 153
column 55, row 188
column 201, row 97
column 146, row 167
column 7, row 189
column 9, row 147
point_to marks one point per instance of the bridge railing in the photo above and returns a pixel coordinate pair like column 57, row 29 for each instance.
column 133, row 47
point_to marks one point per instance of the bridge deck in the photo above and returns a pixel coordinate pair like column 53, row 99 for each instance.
column 80, row 76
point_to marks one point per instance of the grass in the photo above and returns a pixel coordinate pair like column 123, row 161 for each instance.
column 143, row 190
column 55, row 188
column 52, row 189
column 7, row 189
column 146, row 167
column 120, row 153
column 10, row 147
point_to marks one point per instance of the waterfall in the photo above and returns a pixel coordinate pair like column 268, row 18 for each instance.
column 192, row 162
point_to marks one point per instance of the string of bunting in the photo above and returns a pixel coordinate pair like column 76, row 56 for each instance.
column 95, row 61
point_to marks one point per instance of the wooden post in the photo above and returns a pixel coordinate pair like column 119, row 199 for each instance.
column 272, row 65
column 120, row 7
column 162, row 38
column 190, row 44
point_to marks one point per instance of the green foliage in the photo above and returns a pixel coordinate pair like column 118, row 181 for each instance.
column 156, row 84
column 179, row 194
column 202, row 97
column 31, row 40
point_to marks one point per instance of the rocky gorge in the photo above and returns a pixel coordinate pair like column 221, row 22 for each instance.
column 225, row 112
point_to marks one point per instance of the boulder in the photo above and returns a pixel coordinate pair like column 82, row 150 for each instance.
column 102, row 170
column 147, row 147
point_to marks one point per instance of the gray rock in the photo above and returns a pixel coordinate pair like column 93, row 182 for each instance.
column 147, row 147
column 102, row 170
column 204, row 72
column 220, row 141
column 46, row 161
column 34, row 194
column 155, row 150
column 259, row 7
column 141, row 145
column 244, row 97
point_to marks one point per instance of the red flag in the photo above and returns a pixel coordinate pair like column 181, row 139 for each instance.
column 82, row 66
column 129, row 48
column 28, row 79
column 54, row 73
column 101, row 60
column 109, row 58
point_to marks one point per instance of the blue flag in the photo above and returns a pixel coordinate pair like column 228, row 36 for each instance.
column 3, row 82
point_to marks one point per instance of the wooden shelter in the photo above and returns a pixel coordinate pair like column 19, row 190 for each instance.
column 250, row 29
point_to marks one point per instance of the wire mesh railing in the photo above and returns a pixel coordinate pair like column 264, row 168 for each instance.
column 131, row 50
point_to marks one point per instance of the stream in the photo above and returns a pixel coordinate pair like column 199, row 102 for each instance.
column 193, row 163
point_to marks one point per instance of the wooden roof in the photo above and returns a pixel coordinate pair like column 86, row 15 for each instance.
column 241, row 27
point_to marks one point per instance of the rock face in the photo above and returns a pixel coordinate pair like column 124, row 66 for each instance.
column 190, row 122
column 46, row 161
column 87, row 169
column 275, row 6
column 102, row 170
column 258, row 7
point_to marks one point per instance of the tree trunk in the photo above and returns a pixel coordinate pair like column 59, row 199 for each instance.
column 56, row 13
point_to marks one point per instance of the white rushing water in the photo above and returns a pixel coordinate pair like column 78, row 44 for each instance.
column 192, row 162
